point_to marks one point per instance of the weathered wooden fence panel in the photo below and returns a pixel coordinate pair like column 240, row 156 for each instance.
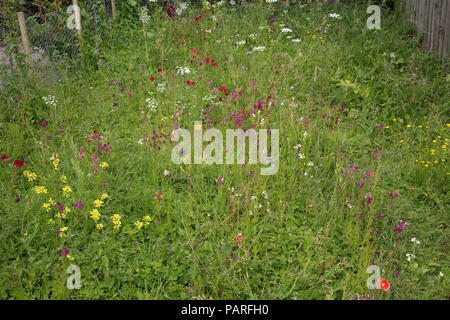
column 432, row 20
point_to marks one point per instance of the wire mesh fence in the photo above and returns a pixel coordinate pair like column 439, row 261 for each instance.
column 53, row 37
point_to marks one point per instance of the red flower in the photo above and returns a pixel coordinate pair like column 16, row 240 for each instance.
column 239, row 238
column 18, row 163
column 384, row 284
column 152, row 79
column 5, row 157
column 171, row 11
column 159, row 70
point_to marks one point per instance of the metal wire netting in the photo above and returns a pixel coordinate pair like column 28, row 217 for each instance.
column 57, row 35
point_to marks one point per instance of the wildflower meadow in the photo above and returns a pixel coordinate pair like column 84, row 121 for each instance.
column 227, row 150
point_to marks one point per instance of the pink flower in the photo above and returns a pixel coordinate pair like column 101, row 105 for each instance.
column 166, row 172
column 219, row 180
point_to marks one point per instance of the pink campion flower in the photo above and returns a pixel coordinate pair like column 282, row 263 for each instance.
column 44, row 124
column 401, row 226
column 393, row 195
column 158, row 196
column 346, row 171
column 220, row 180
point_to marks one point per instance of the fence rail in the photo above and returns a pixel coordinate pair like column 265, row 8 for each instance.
column 431, row 19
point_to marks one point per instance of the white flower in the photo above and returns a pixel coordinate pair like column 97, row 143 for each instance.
column 301, row 156
column 259, row 48
column 143, row 16
column 152, row 104
column 284, row 30
column 305, row 133
column 183, row 70
column 240, row 43
column 50, row 100
column 441, row 274
column 334, row 15
column 232, row 2
column 310, row 164
column 410, row 256
column 161, row 87
column 289, row 37
column 298, row 146
column 271, row 1
column 415, row 241
column 296, row 40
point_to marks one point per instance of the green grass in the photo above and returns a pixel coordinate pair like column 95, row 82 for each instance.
column 303, row 237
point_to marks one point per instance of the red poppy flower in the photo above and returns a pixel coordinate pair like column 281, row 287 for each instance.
column 152, row 79
column 239, row 238
column 18, row 163
column 5, row 157
column 159, row 70
column 384, row 284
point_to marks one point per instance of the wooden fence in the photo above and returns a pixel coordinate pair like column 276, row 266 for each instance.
column 432, row 20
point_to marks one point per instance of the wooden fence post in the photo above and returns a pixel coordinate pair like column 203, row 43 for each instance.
column 77, row 18
column 113, row 7
column 26, row 43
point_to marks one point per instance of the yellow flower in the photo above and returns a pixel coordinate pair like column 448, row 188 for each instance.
column 147, row 220
column 104, row 164
column 409, row 126
column 95, row 215
column 387, row 127
column 67, row 190
column 40, row 189
column 104, row 196
column 116, row 220
column 69, row 257
column 401, row 141
column 98, row 203
column 56, row 163
column 100, row 226
column 139, row 225
column 30, row 175
column 64, row 229
column 314, row 36
column 63, row 179
column 46, row 206
column 60, row 215
column 25, row 234
column 50, row 221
